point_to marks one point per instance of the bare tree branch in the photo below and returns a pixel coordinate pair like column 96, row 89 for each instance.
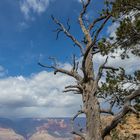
column 137, row 7
column 95, row 52
column 67, row 33
column 75, row 64
column 102, row 67
column 82, row 135
column 68, row 24
column 54, row 60
column 74, row 86
column 69, row 73
column 95, row 21
column 76, row 91
column 132, row 96
column 81, row 22
column 110, row 68
column 108, row 111
column 78, row 113
column 134, row 110
column 58, row 32
column 99, row 30
column 126, row 108
column 100, row 71
column 114, row 122
column 88, row 49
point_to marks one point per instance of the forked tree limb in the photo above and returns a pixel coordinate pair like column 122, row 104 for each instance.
column 92, row 45
column 126, row 108
column 81, row 22
column 85, row 5
column 60, row 70
column 96, row 21
column 67, row 33
column 105, row 68
column 100, row 71
column 100, row 29
column 80, row 134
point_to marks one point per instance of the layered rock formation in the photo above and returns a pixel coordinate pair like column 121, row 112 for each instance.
column 59, row 129
column 43, row 135
column 8, row 134
column 129, row 129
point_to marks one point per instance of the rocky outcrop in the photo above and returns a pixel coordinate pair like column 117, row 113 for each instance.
column 9, row 134
column 43, row 135
column 128, row 129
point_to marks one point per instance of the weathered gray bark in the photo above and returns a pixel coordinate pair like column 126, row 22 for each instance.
column 91, row 104
column 93, row 120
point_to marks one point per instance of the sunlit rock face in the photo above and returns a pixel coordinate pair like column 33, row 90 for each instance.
column 128, row 129
column 9, row 134
column 43, row 135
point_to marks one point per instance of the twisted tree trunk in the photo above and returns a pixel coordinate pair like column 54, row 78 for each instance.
column 93, row 122
column 91, row 104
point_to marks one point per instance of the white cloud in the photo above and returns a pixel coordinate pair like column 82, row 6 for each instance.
column 130, row 65
column 39, row 96
column 81, row 1
column 33, row 6
column 3, row 71
column 111, row 30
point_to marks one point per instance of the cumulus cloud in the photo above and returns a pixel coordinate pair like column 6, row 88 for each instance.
column 130, row 64
column 33, row 6
column 40, row 95
column 37, row 96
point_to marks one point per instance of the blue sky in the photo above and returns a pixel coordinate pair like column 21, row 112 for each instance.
column 26, row 33
column 26, row 37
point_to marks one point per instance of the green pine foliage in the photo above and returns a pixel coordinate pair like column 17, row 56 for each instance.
column 118, row 84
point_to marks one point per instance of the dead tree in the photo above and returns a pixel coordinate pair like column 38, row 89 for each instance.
column 87, row 84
